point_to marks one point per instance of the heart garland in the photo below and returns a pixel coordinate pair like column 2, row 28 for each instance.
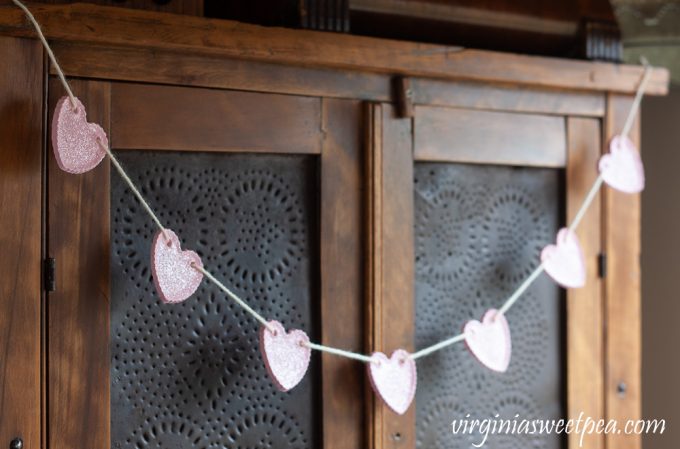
column 77, row 144
column 77, row 147
column 173, row 273
column 489, row 340
column 622, row 167
column 286, row 355
column 393, row 379
column 564, row 261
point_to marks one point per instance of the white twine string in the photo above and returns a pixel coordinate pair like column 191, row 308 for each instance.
column 36, row 25
column 574, row 223
column 134, row 189
column 586, row 203
column 153, row 216
column 521, row 289
column 233, row 296
column 436, row 347
column 121, row 171
column 340, row 352
column 638, row 96
column 314, row 346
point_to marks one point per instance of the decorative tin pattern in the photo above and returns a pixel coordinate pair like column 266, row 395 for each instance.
column 479, row 230
column 190, row 375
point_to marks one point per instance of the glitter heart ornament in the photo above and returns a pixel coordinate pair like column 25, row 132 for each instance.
column 173, row 274
column 393, row 379
column 622, row 167
column 563, row 261
column 75, row 142
column 489, row 341
column 286, row 355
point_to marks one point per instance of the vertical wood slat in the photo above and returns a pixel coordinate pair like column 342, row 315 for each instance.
column 373, row 176
column 342, row 289
column 622, row 287
column 21, row 81
column 391, row 259
column 78, row 311
column 585, row 324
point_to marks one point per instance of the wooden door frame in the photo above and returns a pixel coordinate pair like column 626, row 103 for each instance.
column 21, row 218
column 602, row 322
column 78, row 376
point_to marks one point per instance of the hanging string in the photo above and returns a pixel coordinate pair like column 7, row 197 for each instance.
column 123, row 174
column 624, row 132
column 233, row 296
column 340, row 352
column 638, row 97
column 314, row 346
column 436, row 347
column 586, row 203
column 134, row 189
column 592, row 193
column 522, row 288
column 36, row 25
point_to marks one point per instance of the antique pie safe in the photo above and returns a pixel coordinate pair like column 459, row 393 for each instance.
column 375, row 193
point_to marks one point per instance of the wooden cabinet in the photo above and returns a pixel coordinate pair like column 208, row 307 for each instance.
column 287, row 161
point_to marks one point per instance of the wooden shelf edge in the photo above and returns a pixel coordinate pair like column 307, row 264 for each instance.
column 124, row 27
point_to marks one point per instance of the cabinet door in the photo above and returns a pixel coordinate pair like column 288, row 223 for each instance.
column 21, row 218
column 467, row 199
column 266, row 188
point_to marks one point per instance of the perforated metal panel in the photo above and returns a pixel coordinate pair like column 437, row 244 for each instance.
column 478, row 233
column 190, row 375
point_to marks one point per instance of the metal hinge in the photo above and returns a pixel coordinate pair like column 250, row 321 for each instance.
column 50, row 274
column 602, row 265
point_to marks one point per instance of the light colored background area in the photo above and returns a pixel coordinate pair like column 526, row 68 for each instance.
column 661, row 267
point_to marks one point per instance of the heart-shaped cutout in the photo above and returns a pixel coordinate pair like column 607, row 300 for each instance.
column 622, row 167
column 286, row 355
column 489, row 341
column 173, row 274
column 563, row 261
column 76, row 143
column 394, row 379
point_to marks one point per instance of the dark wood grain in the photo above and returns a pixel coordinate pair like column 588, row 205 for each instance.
column 180, row 118
column 585, row 321
column 461, row 135
column 374, row 261
column 622, row 287
column 117, row 26
column 21, row 80
column 167, row 67
column 391, row 259
column 498, row 97
column 189, row 7
column 78, row 312
column 187, row 69
column 342, row 274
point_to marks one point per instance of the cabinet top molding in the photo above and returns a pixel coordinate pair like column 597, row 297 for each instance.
column 104, row 25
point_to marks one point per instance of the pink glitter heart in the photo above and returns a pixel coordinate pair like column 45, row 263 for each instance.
column 173, row 275
column 394, row 379
column 74, row 141
column 489, row 341
column 622, row 168
column 285, row 355
column 564, row 260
